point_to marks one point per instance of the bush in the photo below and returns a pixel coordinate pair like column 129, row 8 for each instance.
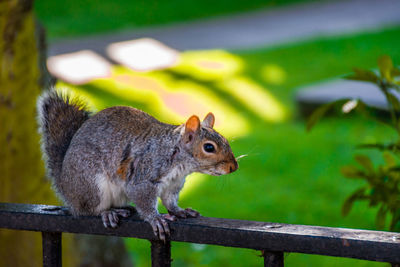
column 382, row 188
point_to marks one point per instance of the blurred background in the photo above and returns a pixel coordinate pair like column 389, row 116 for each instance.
column 255, row 64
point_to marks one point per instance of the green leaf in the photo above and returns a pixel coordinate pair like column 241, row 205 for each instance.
column 381, row 217
column 351, row 172
column 389, row 159
column 362, row 75
column 347, row 206
column 348, row 203
column 381, row 147
column 393, row 100
column 394, row 169
column 373, row 146
column 385, row 65
column 395, row 72
column 395, row 222
column 320, row 112
column 366, row 162
column 370, row 112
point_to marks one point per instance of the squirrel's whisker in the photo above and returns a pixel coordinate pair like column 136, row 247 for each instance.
column 241, row 156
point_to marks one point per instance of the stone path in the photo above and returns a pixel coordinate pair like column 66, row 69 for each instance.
column 259, row 28
column 312, row 96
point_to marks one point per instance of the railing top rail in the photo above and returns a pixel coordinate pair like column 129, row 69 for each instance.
column 342, row 242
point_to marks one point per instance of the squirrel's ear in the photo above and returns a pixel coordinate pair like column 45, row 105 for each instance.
column 192, row 126
column 209, row 120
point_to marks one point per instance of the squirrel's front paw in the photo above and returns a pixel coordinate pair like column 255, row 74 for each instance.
column 185, row 213
column 160, row 226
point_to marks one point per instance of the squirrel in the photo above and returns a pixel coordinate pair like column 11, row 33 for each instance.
column 99, row 163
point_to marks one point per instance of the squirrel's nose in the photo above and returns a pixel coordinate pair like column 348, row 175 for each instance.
column 233, row 166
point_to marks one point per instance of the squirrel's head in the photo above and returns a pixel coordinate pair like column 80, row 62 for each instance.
column 210, row 150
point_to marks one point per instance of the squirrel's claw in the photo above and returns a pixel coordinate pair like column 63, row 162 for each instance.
column 123, row 212
column 170, row 217
column 185, row 213
column 191, row 213
column 160, row 228
column 110, row 217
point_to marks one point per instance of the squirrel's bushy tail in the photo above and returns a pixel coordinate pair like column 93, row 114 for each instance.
column 59, row 119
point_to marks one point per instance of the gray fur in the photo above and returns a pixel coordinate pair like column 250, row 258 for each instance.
column 122, row 154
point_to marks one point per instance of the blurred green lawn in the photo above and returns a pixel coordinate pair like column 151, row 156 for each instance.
column 64, row 18
column 289, row 175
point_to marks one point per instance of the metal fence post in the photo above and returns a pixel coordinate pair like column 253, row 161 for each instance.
column 51, row 245
column 273, row 259
column 160, row 253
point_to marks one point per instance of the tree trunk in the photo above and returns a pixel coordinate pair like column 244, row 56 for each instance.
column 23, row 74
column 22, row 175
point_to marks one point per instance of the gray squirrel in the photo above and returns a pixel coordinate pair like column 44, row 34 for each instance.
column 100, row 162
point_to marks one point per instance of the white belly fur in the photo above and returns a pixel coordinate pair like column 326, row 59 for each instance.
column 174, row 179
column 112, row 193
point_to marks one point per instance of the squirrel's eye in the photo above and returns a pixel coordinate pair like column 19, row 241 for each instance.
column 209, row 147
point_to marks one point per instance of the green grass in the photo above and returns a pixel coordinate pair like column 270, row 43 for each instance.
column 66, row 18
column 289, row 175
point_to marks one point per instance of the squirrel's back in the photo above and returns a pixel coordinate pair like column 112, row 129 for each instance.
column 59, row 119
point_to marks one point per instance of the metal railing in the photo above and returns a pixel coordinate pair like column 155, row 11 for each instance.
column 272, row 239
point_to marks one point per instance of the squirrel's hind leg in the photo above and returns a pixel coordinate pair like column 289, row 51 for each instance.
column 110, row 217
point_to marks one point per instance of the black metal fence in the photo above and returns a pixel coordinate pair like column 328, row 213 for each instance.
column 272, row 239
